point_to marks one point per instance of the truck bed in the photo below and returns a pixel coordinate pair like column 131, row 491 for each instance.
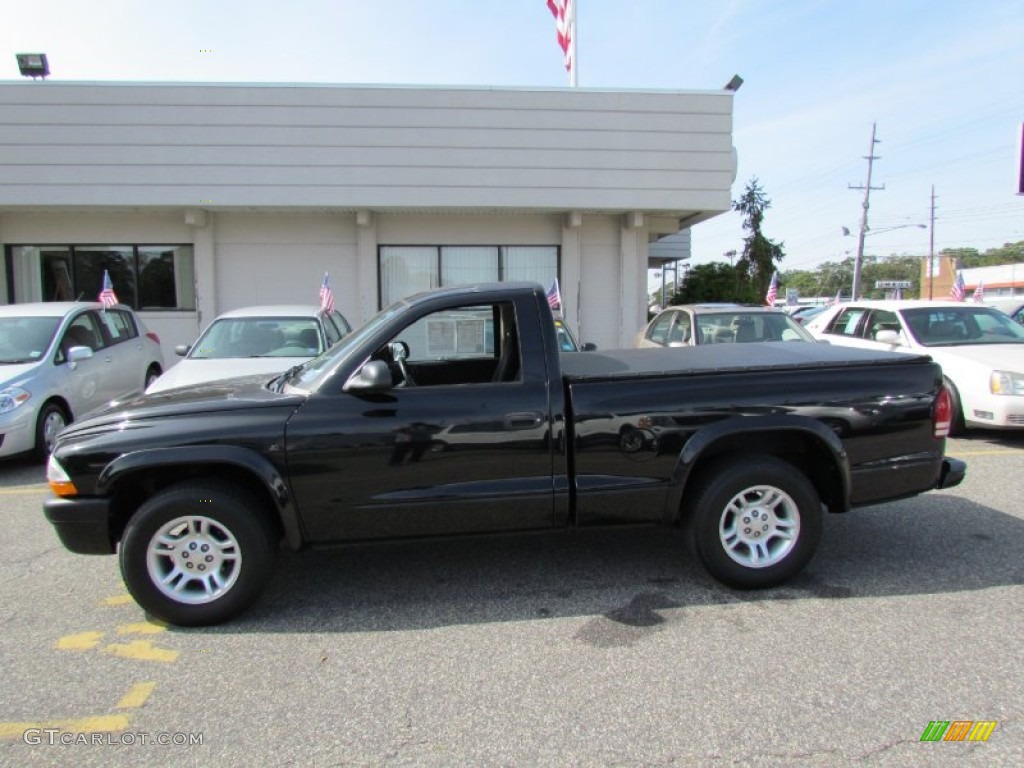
column 632, row 363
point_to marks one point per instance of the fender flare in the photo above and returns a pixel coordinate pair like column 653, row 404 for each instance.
column 236, row 456
column 698, row 445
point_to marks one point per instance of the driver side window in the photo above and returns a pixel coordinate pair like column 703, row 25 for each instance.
column 473, row 344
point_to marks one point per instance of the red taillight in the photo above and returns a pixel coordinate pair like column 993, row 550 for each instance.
column 153, row 336
column 942, row 413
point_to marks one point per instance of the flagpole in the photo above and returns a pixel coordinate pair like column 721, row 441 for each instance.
column 572, row 44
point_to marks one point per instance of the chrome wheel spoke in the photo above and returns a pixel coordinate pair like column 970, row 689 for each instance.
column 193, row 559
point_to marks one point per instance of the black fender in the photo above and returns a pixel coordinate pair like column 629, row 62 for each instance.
column 707, row 437
column 237, row 456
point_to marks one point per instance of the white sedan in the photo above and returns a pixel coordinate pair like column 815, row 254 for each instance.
column 980, row 349
column 254, row 340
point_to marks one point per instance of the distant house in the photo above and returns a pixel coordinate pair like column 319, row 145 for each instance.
column 202, row 198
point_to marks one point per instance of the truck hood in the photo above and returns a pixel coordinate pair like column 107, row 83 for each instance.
column 224, row 395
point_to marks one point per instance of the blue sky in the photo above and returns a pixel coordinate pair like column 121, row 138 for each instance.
column 943, row 81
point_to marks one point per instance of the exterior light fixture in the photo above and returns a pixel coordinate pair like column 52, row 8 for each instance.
column 734, row 84
column 33, row 65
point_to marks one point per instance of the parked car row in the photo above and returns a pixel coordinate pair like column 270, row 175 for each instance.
column 60, row 360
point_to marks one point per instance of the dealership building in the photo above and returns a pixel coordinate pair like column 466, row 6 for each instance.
column 200, row 198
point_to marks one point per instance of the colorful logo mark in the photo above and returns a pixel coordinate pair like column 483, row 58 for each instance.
column 958, row 730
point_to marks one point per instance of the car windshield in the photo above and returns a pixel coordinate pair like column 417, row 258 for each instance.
column 259, row 337
column 958, row 326
column 25, row 339
column 719, row 327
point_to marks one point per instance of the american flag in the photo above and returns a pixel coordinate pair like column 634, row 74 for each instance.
column 107, row 296
column 555, row 297
column 957, row 292
column 773, row 290
column 326, row 295
column 979, row 292
column 563, row 10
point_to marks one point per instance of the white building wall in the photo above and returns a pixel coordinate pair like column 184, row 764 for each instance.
column 280, row 258
column 273, row 185
column 364, row 147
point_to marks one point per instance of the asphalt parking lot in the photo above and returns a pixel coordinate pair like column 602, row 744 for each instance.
column 595, row 649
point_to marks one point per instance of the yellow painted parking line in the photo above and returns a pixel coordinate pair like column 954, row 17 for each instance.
column 142, row 628
column 142, row 650
column 20, row 490
column 83, row 641
column 98, row 724
column 994, row 452
column 137, row 696
column 118, row 600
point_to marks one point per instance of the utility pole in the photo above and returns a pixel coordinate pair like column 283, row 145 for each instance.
column 870, row 157
column 931, row 247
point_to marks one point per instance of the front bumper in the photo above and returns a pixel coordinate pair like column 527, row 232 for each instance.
column 82, row 523
column 952, row 473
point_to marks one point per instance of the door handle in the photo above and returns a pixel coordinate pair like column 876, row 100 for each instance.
column 523, row 420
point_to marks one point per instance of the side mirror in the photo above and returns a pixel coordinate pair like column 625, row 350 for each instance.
column 79, row 353
column 182, row 349
column 374, row 376
column 589, row 347
column 888, row 337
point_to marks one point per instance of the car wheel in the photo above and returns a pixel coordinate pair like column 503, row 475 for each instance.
column 957, row 422
column 152, row 375
column 198, row 553
column 52, row 419
column 755, row 522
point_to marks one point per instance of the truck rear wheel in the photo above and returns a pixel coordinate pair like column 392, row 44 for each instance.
column 198, row 553
column 755, row 521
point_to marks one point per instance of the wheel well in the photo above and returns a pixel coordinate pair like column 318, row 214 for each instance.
column 61, row 403
column 804, row 451
column 134, row 489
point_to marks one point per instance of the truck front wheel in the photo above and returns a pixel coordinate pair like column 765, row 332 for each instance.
column 755, row 521
column 198, row 553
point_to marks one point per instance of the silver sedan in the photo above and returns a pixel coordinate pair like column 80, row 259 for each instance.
column 59, row 360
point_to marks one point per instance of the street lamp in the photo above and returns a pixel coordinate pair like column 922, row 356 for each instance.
column 857, row 262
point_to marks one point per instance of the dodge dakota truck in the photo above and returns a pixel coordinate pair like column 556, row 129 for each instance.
column 455, row 412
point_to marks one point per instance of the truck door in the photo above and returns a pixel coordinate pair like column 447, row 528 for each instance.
column 459, row 444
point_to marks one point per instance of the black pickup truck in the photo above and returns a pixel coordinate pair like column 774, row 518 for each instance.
column 455, row 412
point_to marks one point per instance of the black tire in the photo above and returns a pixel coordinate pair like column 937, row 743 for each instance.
column 224, row 537
column 51, row 420
column 731, row 527
column 151, row 375
column 957, row 423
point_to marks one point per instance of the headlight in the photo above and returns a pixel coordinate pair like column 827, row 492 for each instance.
column 1006, row 383
column 58, row 479
column 12, row 397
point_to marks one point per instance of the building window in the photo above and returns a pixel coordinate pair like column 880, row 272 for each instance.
column 405, row 269
column 145, row 277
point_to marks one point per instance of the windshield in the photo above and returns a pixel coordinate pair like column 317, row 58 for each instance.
column 308, row 376
column 259, row 337
column 25, row 339
column 957, row 326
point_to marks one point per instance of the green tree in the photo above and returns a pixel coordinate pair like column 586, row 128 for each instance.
column 760, row 255
column 716, row 281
